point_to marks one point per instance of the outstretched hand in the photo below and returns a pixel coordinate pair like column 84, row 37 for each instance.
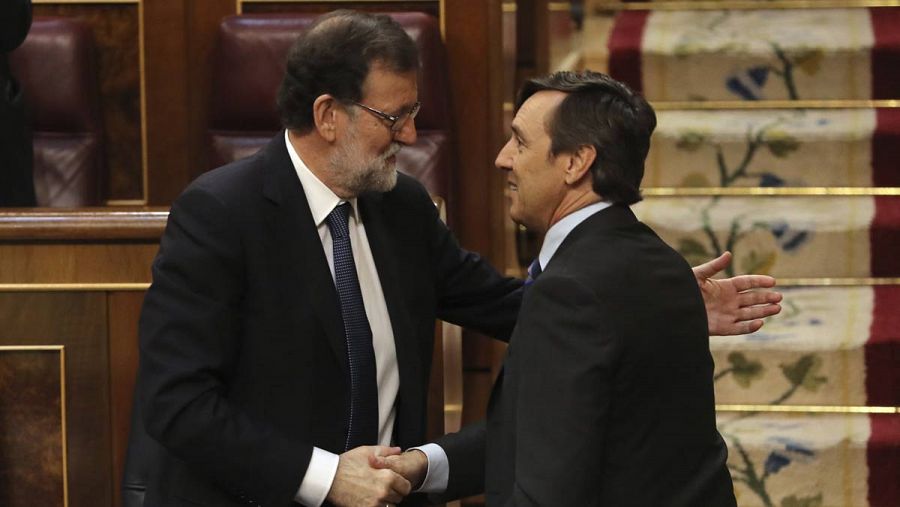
column 732, row 305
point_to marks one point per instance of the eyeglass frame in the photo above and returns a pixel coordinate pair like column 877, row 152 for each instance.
column 393, row 119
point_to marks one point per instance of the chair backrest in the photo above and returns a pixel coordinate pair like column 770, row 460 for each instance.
column 55, row 67
column 249, row 63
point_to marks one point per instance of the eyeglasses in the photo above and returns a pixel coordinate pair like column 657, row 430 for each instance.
column 395, row 123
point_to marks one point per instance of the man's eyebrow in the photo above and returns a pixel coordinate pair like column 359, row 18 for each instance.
column 517, row 132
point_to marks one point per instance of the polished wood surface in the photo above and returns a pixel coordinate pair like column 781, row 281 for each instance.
column 82, row 224
column 31, row 427
column 76, row 321
column 44, row 251
column 124, row 309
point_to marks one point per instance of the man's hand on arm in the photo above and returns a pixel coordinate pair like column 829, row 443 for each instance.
column 732, row 306
column 357, row 483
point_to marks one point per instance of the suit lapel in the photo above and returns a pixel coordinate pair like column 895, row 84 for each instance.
column 301, row 249
column 405, row 343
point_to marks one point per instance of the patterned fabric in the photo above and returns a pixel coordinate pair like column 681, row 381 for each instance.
column 832, row 346
column 757, row 54
column 788, row 237
column 363, row 418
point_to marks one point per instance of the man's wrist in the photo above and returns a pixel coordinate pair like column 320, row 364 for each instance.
column 318, row 479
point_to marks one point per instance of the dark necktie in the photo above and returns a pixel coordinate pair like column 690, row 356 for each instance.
column 363, row 421
column 534, row 270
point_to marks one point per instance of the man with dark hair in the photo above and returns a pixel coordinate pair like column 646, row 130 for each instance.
column 281, row 349
column 606, row 394
column 16, row 182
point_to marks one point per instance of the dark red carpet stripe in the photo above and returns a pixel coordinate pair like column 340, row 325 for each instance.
column 883, row 457
column 886, row 53
column 883, row 350
column 625, row 48
column 886, row 147
column 884, row 237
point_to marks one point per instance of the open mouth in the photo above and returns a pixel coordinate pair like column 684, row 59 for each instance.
column 512, row 186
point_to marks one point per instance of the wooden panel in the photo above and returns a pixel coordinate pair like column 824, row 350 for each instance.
column 78, row 322
column 203, row 19
column 76, row 263
column 115, row 29
column 124, row 309
column 31, row 428
column 166, row 67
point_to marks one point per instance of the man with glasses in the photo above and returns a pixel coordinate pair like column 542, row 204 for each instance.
column 286, row 339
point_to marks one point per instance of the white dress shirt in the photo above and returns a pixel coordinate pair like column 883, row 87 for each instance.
column 323, row 464
column 438, row 466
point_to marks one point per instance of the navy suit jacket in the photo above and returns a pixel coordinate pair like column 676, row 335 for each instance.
column 606, row 394
column 243, row 364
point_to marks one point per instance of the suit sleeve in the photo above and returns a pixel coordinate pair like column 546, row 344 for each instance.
column 471, row 293
column 564, row 354
column 465, row 455
column 189, row 344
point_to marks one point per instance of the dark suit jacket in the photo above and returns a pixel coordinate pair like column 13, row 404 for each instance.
column 243, row 360
column 16, row 183
column 606, row 395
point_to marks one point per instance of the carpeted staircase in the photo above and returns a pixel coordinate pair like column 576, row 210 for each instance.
column 779, row 139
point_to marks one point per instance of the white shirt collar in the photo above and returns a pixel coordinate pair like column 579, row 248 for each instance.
column 560, row 230
column 320, row 198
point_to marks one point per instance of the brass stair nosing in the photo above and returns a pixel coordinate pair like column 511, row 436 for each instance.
column 739, row 105
column 743, row 5
column 807, row 409
column 769, row 191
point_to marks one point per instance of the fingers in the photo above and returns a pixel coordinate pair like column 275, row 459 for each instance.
column 385, row 462
column 400, row 485
column 381, row 450
column 762, row 297
column 713, row 267
column 747, row 282
column 758, row 312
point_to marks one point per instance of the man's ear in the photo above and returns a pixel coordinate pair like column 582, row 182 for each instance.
column 580, row 162
column 325, row 116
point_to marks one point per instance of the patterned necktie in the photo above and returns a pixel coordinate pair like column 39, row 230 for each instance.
column 363, row 422
column 534, row 270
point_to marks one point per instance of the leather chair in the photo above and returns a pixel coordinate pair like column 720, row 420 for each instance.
column 249, row 62
column 55, row 66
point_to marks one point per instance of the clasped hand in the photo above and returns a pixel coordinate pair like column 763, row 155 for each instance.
column 376, row 476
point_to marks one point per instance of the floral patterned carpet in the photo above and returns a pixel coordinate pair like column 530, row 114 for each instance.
column 809, row 192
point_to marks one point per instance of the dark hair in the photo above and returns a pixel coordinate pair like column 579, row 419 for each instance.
column 604, row 113
column 334, row 56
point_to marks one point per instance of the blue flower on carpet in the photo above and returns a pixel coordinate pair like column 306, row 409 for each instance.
column 775, row 462
column 748, row 84
column 770, row 180
column 788, row 239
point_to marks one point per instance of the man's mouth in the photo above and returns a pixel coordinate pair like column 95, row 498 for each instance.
column 512, row 186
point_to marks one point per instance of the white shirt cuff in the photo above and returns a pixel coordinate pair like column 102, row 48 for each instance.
column 438, row 469
column 319, row 476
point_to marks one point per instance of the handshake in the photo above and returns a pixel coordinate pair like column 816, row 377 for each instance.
column 376, row 476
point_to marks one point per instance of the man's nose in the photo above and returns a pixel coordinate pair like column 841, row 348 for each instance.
column 407, row 133
column 504, row 158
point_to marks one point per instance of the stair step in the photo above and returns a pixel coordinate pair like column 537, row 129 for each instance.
column 828, row 460
column 775, row 148
column 785, row 236
column 831, row 346
column 764, row 54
